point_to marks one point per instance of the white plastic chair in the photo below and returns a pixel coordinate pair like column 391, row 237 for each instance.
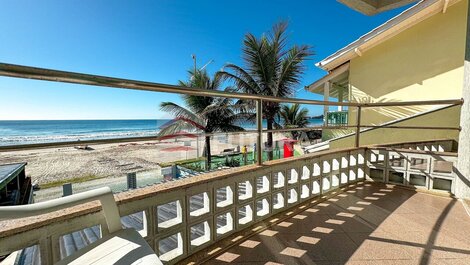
column 120, row 246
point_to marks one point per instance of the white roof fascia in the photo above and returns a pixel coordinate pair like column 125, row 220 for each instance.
column 408, row 18
column 331, row 75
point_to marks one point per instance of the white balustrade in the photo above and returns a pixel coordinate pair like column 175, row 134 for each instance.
column 179, row 220
column 422, row 168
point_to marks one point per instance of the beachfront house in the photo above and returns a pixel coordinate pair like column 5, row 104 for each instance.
column 415, row 56
column 358, row 204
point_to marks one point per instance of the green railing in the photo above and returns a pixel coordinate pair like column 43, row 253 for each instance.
column 337, row 118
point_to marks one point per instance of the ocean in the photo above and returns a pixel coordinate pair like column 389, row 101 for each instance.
column 48, row 131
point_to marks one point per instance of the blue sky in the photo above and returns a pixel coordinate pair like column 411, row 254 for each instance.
column 150, row 41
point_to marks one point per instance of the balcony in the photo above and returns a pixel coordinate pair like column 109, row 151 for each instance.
column 335, row 118
column 363, row 201
column 364, row 204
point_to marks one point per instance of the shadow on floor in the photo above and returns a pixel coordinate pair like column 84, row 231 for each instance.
column 367, row 224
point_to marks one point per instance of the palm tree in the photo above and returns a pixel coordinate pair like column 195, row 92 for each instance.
column 293, row 117
column 207, row 114
column 270, row 69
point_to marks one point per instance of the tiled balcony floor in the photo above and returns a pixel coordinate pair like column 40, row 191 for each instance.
column 368, row 224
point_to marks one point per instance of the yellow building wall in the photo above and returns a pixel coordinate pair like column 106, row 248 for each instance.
column 424, row 62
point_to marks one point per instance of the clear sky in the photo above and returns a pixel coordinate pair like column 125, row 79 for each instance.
column 150, row 41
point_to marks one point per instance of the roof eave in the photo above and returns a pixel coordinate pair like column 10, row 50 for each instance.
column 412, row 16
column 317, row 86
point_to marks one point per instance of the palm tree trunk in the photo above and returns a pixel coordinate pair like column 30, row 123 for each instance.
column 208, row 152
column 270, row 139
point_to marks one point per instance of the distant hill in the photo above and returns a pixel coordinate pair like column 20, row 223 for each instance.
column 316, row 117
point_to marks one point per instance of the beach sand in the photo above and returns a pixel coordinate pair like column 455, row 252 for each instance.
column 117, row 159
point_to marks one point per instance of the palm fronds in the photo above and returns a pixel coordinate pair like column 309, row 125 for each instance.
column 292, row 117
column 207, row 114
column 270, row 68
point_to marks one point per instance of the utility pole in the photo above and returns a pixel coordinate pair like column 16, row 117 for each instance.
column 194, row 77
column 195, row 65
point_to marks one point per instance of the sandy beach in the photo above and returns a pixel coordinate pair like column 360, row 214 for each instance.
column 115, row 160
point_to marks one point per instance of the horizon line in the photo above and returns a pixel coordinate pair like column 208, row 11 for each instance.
column 106, row 119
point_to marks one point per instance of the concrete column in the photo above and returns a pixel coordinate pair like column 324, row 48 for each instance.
column 462, row 188
column 326, row 96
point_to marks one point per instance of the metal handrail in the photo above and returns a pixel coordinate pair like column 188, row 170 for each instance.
column 28, row 72
column 363, row 126
column 8, row 148
column 104, row 195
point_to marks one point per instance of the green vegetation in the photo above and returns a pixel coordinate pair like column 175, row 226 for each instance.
column 181, row 162
column 293, row 117
column 208, row 114
column 73, row 180
column 230, row 161
column 270, row 69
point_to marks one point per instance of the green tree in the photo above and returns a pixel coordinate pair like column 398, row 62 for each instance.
column 292, row 116
column 206, row 114
column 270, row 69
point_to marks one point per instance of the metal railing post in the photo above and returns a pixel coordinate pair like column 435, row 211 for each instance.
column 358, row 126
column 259, row 127
column 131, row 181
column 67, row 189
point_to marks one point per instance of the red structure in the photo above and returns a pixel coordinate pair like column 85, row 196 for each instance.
column 289, row 147
column 181, row 134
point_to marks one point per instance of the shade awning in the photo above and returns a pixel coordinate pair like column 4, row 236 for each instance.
column 373, row 7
